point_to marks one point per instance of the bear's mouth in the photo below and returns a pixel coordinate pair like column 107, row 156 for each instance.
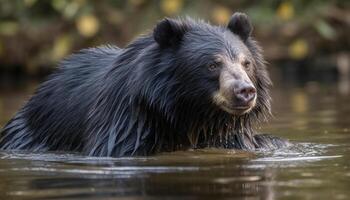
column 236, row 110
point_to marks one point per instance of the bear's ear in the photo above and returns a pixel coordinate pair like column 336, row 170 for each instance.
column 169, row 32
column 240, row 24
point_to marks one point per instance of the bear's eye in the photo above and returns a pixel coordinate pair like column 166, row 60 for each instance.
column 214, row 66
column 247, row 64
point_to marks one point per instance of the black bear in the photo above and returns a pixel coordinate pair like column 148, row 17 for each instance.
column 188, row 84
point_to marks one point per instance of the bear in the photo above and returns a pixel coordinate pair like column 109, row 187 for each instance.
column 187, row 84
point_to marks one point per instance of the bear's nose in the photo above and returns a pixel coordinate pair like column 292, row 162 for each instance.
column 245, row 93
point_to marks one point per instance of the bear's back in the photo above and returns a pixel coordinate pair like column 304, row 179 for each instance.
column 61, row 104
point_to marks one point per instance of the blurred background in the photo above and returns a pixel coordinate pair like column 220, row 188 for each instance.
column 305, row 42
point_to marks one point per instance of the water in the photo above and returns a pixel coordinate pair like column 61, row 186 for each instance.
column 316, row 118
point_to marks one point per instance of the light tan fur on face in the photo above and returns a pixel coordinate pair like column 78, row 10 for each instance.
column 231, row 72
column 220, row 100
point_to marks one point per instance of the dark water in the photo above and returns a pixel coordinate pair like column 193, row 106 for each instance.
column 316, row 118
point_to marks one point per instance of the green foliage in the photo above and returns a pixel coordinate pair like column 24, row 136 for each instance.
column 36, row 34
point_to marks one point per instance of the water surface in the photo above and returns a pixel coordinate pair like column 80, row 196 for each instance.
column 315, row 118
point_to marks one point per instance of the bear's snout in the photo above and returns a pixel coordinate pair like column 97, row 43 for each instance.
column 244, row 94
column 237, row 94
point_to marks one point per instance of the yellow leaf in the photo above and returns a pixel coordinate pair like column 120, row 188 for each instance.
column 298, row 49
column 221, row 15
column 61, row 47
column 285, row 10
column 171, row 7
column 87, row 25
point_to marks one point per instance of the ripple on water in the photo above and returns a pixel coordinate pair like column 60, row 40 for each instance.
column 221, row 172
column 298, row 152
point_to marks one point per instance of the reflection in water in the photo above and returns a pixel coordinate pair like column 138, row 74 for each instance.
column 207, row 173
column 343, row 65
column 316, row 167
column 299, row 101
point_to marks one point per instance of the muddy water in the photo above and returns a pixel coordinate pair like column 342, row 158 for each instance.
column 316, row 118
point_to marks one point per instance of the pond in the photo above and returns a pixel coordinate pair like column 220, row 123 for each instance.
column 315, row 117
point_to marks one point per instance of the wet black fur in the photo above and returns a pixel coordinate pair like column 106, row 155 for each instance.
column 152, row 96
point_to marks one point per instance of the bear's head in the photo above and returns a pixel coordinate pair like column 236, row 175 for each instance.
column 215, row 68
